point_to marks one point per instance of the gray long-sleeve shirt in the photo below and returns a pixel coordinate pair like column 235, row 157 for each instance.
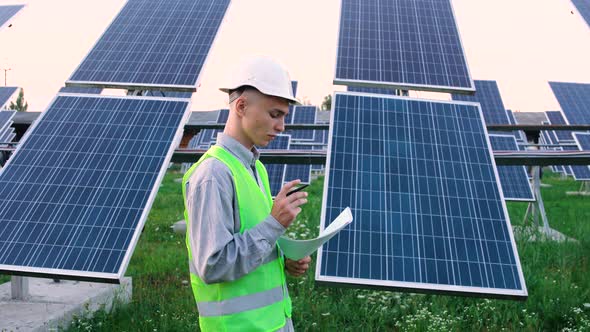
column 219, row 252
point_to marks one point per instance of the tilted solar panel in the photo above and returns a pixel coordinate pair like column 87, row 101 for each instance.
column 6, row 119
column 583, row 142
column 413, row 44
column 154, row 44
column 223, row 116
column 81, row 89
column 420, row 179
column 298, row 171
column 6, row 93
column 276, row 172
column 294, row 87
column 514, row 180
column 583, row 7
column 519, row 134
column 380, row 91
column 303, row 115
column 579, row 172
column 7, row 12
column 557, row 118
column 574, row 99
column 488, row 96
column 75, row 195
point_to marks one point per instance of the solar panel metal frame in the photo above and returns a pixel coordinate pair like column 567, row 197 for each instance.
column 418, row 287
column 22, row 6
column 525, row 173
column 399, row 85
column 145, row 86
column 99, row 276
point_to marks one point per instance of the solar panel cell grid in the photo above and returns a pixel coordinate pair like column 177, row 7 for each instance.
column 401, row 44
column 513, row 179
column 5, row 94
column 154, row 44
column 574, row 99
column 557, row 118
column 419, row 178
column 75, row 194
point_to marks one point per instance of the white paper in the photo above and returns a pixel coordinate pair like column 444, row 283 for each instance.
column 297, row 249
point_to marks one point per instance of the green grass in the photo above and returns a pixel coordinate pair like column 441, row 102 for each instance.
column 556, row 275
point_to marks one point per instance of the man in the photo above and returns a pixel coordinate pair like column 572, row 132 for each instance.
column 237, row 270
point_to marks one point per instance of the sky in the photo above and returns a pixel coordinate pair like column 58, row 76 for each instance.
column 522, row 44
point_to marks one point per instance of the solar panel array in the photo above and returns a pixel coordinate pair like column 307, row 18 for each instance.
column 6, row 92
column 546, row 137
column 403, row 44
column 7, row 12
column 7, row 133
column 557, row 118
column 574, row 99
column 303, row 115
column 153, row 44
column 75, row 195
column 298, row 171
column 520, row 135
column 583, row 142
column 583, row 7
column 513, row 179
column 579, row 172
column 420, row 180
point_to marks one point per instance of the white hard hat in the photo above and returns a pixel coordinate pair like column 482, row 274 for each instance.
column 264, row 74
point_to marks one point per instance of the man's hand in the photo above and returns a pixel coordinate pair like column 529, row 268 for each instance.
column 286, row 208
column 297, row 268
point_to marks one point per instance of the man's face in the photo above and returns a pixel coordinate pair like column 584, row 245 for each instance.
column 263, row 117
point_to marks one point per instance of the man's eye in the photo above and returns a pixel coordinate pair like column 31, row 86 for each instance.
column 274, row 115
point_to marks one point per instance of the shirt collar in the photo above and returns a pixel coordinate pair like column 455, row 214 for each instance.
column 247, row 157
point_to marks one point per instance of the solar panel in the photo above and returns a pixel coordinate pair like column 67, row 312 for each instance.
column 579, row 172
column 420, row 179
column 412, row 44
column 488, row 96
column 168, row 94
column 583, row 7
column 557, row 118
column 380, row 91
column 294, row 87
column 6, row 119
column 6, row 93
column 303, row 115
column 223, row 116
column 81, row 89
column 289, row 117
column 514, row 180
column 583, row 142
column 153, row 44
column 276, row 172
column 77, row 191
column 7, row 12
column 574, row 99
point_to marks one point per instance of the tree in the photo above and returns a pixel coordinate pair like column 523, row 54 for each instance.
column 21, row 105
column 327, row 103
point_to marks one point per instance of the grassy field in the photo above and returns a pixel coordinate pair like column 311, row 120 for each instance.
column 556, row 276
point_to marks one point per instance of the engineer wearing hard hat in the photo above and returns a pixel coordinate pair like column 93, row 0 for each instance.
column 237, row 270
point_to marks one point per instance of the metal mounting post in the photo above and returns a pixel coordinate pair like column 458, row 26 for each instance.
column 19, row 287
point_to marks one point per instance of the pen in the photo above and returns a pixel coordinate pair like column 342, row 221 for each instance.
column 297, row 189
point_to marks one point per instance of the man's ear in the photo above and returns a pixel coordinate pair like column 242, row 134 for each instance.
column 241, row 105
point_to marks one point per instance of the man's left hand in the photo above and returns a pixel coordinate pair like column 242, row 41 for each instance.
column 299, row 267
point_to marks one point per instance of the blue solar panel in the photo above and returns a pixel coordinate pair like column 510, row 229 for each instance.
column 579, row 172
column 428, row 213
column 556, row 118
column 403, row 44
column 520, row 135
column 6, row 93
column 223, row 116
column 583, row 141
column 6, row 119
column 154, row 44
column 513, row 179
column 298, row 171
column 289, row 117
column 488, row 95
column 75, row 195
column 276, row 172
column 7, row 135
column 303, row 115
column 7, row 12
column 294, row 87
column 574, row 99
column 81, row 89
column 583, row 7
column 380, row 91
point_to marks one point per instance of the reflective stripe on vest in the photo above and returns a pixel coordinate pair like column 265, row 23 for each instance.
column 258, row 300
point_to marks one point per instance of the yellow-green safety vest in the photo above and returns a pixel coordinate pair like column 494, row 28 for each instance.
column 259, row 300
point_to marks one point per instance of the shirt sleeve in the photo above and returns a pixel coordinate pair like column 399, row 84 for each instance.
column 219, row 254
